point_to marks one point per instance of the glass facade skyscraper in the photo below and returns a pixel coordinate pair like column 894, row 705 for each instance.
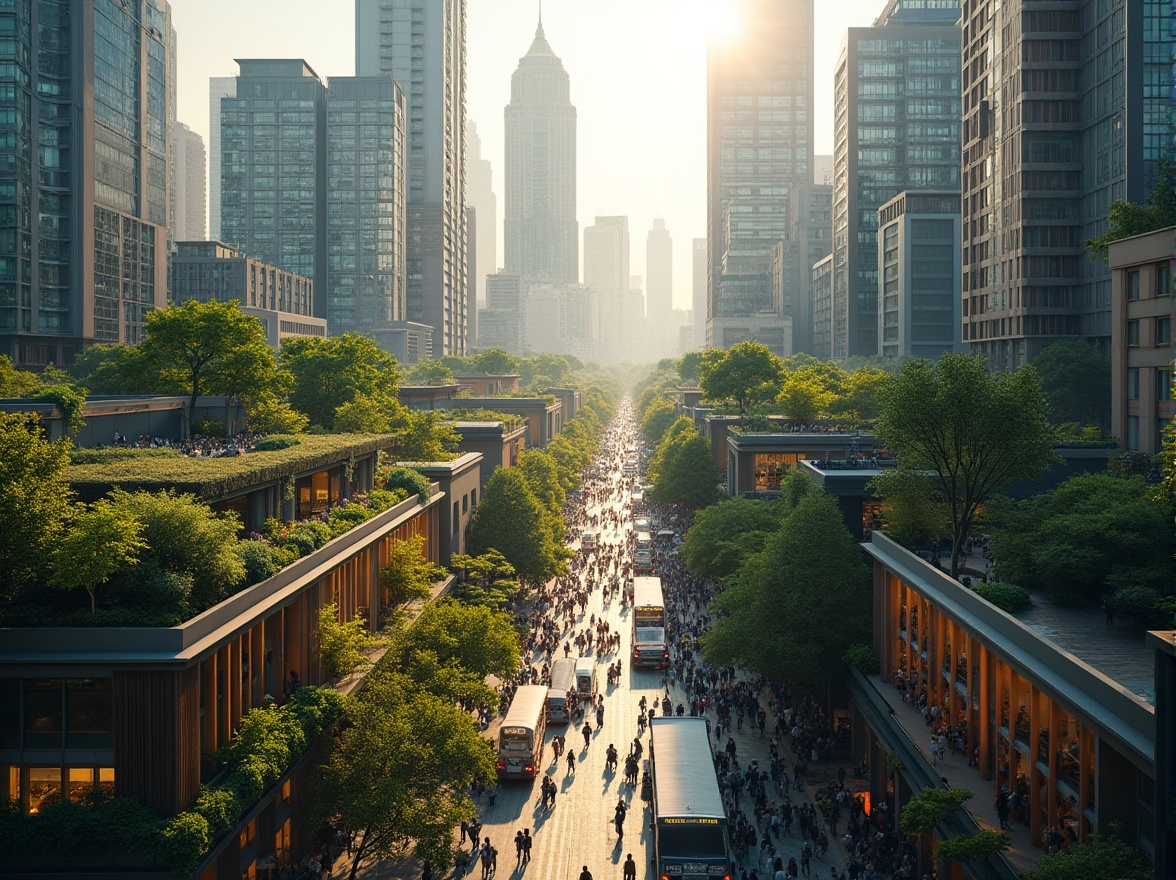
column 84, row 95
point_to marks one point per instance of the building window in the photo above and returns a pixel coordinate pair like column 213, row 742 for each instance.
column 465, row 503
column 473, row 497
column 1163, row 331
column 1132, row 433
column 1133, row 383
column 1133, row 285
column 1163, row 279
column 1164, row 385
column 1133, row 333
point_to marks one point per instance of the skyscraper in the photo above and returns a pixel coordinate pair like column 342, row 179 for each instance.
column 606, row 271
column 480, row 194
column 896, row 126
column 422, row 45
column 218, row 87
column 659, row 293
column 698, row 283
column 759, row 146
column 1082, row 93
column 542, row 235
column 83, row 174
column 188, row 184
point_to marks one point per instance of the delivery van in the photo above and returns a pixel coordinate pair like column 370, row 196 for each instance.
column 586, row 678
column 563, row 679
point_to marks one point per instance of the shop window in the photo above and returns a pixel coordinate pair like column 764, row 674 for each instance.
column 44, row 787
column 42, row 715
column 89, row 709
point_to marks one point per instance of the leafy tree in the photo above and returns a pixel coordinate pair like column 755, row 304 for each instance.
column 544, row 371
column 487, row 580
column 494, row 362
column 542, row 475
column 795, row 607
column 658, row 417
column 429, row 372
column 70, row 402
column 570, row 458
column 341, row 643
column 971, row 431
column 409, row 575
column 116, row 368
column 1126, row 219
column 269, row 415
column 806, row 394
column 478, row 640
column 860, row 401
column 511, row 520
column 683, row 426
column 34, row 496
column 1096, row 858
column 14, row 382
column 328, row 373
column 100, row 541
column 913, row 511
column 366, row 415
column 425, row 436
column 725, row 534
column 1076, row 379
column 686, row 472
column 689, row 367
column 210, row 348
column 411, row 481
column 745, row 372
column 931, row 807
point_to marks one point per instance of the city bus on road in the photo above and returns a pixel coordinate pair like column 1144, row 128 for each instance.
column 520, row 739
column 643, row 555
column 649, row 624
column 689, row 822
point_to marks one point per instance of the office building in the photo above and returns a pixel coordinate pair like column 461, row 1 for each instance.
column 823, row 170
column 1143, row 306
column 919, row 274
column 364, row 223
column 542, row 235
column 896, row 127
column 822, row 287
column 606, row 270
column 422, row 45
column 480, row 196
column 659, row 279
column 189, row 193
column 83, row 175
column 759, row 146
column 218, row 87
column 273, row 168
column 809, row 240
column 502, row 323
column 1084, row 93
column 698, row 297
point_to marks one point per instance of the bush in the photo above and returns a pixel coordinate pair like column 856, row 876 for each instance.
column 275, row 442
column 259, row 561
column 413, row 482
column 863, row 657
column 315, row 708
column 220, row 807
column 340, row 643
column 1006, row 597
column 183, row 841
column 208, row 428
column 1142, row 604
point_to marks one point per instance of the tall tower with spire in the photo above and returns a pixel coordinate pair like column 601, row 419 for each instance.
column 542, row 235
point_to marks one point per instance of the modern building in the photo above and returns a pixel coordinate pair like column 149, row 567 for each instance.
column 896, row 126
column 919, row 274
column 189, row 179
column 213, row 270
column 273, row 168
column 500, row 443
column 606, row 271
column 759, row 146
column 1143, row 306
column 83, row 174
column 364, row 226
column 809, row 240
column 408, row 341
column 422, row 45
column 460, row 480
column 699, row 291
column 756, row 463
column 480, row 196
column 472, row 272
column 218, row 87
column 823, row 169
column 542, row 234
column 502, row 324
column 562, row 319
column 1085, row 93
column 659, row 289
column 823, row 324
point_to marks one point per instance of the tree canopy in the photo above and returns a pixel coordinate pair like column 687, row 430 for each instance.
column 1096, row 858
column 328, row 373
column 1126, row 219
column 725, row 534
column 745, row 372
column 511, row 520
column 686, row 473
column 656, row 420
column 101, row 541
column 409, row 575
column 1076, row 379
column 970, row 431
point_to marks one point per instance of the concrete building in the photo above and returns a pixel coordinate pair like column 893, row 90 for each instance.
column 809, row 240
column 896, row 127
column 84, row 179
column 273, row 169
column 562, row 319
column 542, row 333
column 699, row 292
column 823, row 170
column 480, row 196
column 759, row 146
column 1143, row 306
column 542, row 234
column 422, row 45
column 410, row 342
column 822, row 287
column 919, row 274
column 659, row 290
column 218, row 87
column 1085, row 92
column 189, row 189
column 502, row 323
column 606, row 270
column 460, row 481
column 364, row 225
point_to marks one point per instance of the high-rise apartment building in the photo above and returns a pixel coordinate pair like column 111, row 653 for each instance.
column 698, row 272
column 83, row 174
column 480, row 195
column 218, row 87
column 542, row 235
column 502, row 323
column 809, row 240
column 273, row 168
column 606, row 271
column 189, row 193
column 1065, row 111
column 422, row 45
column 659, row 290
column 759, row 146
column 896, row 126
column 364, row 223
column 823, row 324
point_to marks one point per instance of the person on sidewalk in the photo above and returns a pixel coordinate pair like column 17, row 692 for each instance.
column 585, row 874
column 629, row 872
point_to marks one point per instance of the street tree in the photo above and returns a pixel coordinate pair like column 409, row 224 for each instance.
column 726, row 533
column 487, row 580
column 327, row 373
column 806, row 394
column 570, row 458
column 656, row 420
column 210, row 348
column 743, row 373
column 479, row 640
column 101, row 540
column 683, row 425
column 1076, row 379
column 35, row 497
column 794, row 608
column 511, row 520
column 686, row 472
column 971, row 431
column 1097, row 857
column 542, row 475
column 409, row 575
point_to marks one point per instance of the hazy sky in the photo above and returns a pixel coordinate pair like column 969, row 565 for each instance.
column 638, row 79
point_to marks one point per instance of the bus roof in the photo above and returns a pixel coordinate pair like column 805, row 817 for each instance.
column 563, row 674
column 647, row 591
column 528, row 704
column 683, row 770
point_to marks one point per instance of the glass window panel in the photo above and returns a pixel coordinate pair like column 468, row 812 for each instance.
column 10, row 713
column 81, row 783
column 42, row 713
column 44, row 787
column 88, row 707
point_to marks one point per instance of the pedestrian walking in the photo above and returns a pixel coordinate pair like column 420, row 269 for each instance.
column 587, row 731
column 571, row 762
column 629, row 871
column 527, row 841
column 585, row 874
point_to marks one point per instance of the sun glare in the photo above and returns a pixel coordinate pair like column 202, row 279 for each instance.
column 712, row 22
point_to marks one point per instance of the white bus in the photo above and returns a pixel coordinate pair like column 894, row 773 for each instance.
column 649, row 624
column 520, row 739
column 563, row 679
column 643, row 555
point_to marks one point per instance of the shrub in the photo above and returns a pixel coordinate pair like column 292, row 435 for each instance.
column 259, row 561
column 275, row 443
column 1006, row 597
column 413, row 482
column 383, row 499
column 182, row 843
column 220, row 807
column 340, row 643
column 315, row 708
column 1142, row 604
column 863, row 657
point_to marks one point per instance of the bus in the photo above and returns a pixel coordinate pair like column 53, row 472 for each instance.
column 689, row 822
column 520, row 739
column 649, row 624
column 637, row 501
column 563, row 679
column 643, row 556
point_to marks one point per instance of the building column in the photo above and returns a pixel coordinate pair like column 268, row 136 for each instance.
column 208, row 743
column 987, row 715
column 1055, row 726
column 257, row 662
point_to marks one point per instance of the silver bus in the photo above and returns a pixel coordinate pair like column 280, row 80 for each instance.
column 520, row 739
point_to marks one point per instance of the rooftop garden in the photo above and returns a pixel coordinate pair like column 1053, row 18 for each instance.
column 510, row 421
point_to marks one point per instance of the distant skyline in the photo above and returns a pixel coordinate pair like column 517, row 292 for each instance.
column 638, row 79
